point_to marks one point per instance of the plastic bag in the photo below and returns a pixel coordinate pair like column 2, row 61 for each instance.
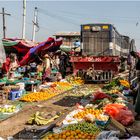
column 108, row 135
column 90, row 118
column 100, row 95
column 134, row 138
column 120, row 112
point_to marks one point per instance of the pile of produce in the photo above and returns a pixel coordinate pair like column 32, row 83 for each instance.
column 117, row 83
column 38, row 96
column 85, row 91
column 84, row 127
column 71, row 135
column 125, row 83
column 114, row 91
column 55, row 89
column 96, row 114
column 77, row 131
column 75, row 80
column 63, row 85
column 112, row 84
column 7, row 109
column 39, row 120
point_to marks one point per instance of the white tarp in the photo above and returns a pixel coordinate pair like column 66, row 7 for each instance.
column 2, row 53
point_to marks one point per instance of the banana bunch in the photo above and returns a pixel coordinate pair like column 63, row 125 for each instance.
column 38, row 120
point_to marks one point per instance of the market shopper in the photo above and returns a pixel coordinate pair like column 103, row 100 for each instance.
column 137, row 105
column 46, row 68
column 64, row 64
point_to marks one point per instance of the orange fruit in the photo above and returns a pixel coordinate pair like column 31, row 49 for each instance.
column 63, row 136
column 88, row 136
column 79, row 135
column 77, row 131
column 67, row 134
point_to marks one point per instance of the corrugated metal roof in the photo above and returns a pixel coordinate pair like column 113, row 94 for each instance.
column 67, row 34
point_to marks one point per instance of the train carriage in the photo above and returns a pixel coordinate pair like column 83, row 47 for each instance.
column 103, row 40
column 102, row 48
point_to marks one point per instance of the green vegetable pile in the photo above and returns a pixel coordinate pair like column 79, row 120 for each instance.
column 84, row 127
column 112, row 84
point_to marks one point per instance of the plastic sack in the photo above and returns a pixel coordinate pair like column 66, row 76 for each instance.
column 108, row 135
column 100, row 95
column 134, row 138
column 89, row 118
column 120, row 112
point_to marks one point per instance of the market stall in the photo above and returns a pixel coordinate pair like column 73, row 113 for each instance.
column 16, row 93
column 102, row 113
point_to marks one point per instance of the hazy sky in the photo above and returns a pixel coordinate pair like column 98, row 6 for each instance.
column 55, row 16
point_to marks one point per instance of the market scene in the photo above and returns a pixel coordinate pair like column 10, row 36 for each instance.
column 74, row 85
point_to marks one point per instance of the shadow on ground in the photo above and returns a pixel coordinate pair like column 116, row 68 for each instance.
column 68, row 101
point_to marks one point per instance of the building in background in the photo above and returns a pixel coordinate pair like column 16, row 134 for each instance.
column 68, row 37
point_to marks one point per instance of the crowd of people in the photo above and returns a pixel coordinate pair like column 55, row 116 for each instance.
column 46, row 68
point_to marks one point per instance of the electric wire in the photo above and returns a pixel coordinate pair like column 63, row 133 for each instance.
column 58, row 17
column 29, row 23
column 134, row 20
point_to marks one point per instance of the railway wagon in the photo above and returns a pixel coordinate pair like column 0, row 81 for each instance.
column 104, row 51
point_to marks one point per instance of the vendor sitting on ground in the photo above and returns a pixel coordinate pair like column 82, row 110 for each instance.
column 11, row 64
column 14, row 62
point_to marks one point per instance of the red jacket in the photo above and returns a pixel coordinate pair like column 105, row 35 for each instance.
column 6, row 65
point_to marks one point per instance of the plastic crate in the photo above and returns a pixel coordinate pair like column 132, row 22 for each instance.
column 15, row 94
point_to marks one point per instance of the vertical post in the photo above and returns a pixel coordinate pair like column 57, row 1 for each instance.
column 24, row 19
column 3, row 18
column 4, row 28
column 34, row 24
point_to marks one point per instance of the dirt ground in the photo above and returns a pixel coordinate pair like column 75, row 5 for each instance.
column 60, row 103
